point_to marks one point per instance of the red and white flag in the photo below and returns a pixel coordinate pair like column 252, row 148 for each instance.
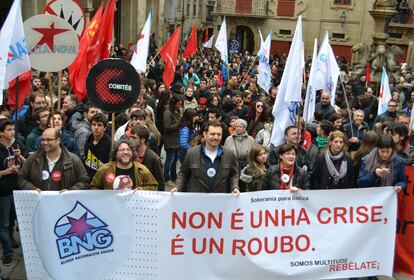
column 209, row 43
column 14, row 56
column 169, row 53
column 139, row 58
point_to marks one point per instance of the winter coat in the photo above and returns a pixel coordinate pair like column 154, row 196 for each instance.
column 154, row 164
column 74, row 175
column 193, row 172
column 271, row 180
column 240, row 146
column 351, row 128
column 321, row 179
column 194, row 77
column 184, row 137
column 27, row 123
column 190, row 104
column 254, row 182
column 81, row 134
column 171, row 129
column 367, row 179
column 144, row 180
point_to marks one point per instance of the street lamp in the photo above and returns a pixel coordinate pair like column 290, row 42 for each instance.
column 342, row 18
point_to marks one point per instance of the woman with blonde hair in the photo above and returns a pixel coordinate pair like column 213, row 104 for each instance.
column 334, row 168
column 256, row 168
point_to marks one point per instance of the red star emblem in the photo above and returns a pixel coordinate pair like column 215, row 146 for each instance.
column 79, row 226
column 139, row 38
column 48, row 36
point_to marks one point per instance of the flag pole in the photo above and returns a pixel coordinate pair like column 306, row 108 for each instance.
column 250, row 66
column 152, row 60
column 59, row 90
column 113, row 129
column 16, row 106
column 347, row 104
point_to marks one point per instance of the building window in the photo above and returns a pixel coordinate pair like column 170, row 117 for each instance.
column 285, row 32
column 338, row 35
column 194, row 10
column 209, row 16
column 286, row 8
column 188, row 10
column 343, row 2
column 244, row 6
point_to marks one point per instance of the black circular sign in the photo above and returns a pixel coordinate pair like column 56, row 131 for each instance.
column 113, row 85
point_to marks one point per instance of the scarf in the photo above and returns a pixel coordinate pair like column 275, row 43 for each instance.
column 189, row 98
column 329, row 158
column 289, row 171
column 373, row 162
column 322, row 142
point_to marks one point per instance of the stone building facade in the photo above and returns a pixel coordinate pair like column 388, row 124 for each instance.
column 347, row 21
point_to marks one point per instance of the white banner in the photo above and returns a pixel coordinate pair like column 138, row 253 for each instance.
column 261, row 235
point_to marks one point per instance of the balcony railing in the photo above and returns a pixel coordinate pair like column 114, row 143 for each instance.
column 243, row 7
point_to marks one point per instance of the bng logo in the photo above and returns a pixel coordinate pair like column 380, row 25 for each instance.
column 81, row 231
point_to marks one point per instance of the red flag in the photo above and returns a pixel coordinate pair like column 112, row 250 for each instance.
column 24, row 89
column 169, row 53
column 105, row 34
column 80, row 67
column 191, row 47
column 368, row 80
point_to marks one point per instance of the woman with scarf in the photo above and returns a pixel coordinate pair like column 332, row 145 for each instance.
column 333, row 168
column 383, row 167
column 286, row 175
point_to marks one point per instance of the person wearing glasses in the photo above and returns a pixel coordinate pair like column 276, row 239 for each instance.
column 256, row 118
column 389, row 115
column 53, row 168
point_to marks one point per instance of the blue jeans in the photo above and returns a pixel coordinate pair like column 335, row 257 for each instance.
column 6, row 204
column 170, row 165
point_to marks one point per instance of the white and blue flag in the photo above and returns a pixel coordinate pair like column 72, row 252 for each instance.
column 265, row 76
column 284, row 109
column 327, row 70
column 309, row 107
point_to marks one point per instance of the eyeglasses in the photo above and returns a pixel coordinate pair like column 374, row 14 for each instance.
column 392, row 105
column 47, row 139
column 259, row 106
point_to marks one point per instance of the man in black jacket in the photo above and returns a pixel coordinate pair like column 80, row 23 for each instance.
column 324, row 108
column 10, row 162
column 27, row 123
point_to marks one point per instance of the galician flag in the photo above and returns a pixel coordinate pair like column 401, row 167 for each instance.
column 221, row 43
column 209, row 43
column 139, row 58
column 385, row 93
column 14, row 56
column 327, row 70
column 265, row 76
column 309, row 107
column 284, row 111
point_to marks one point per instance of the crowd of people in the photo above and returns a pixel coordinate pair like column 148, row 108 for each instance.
column 217, row 122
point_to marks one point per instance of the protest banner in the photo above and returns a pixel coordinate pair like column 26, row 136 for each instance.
column 264, row 235
column 404, row 255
